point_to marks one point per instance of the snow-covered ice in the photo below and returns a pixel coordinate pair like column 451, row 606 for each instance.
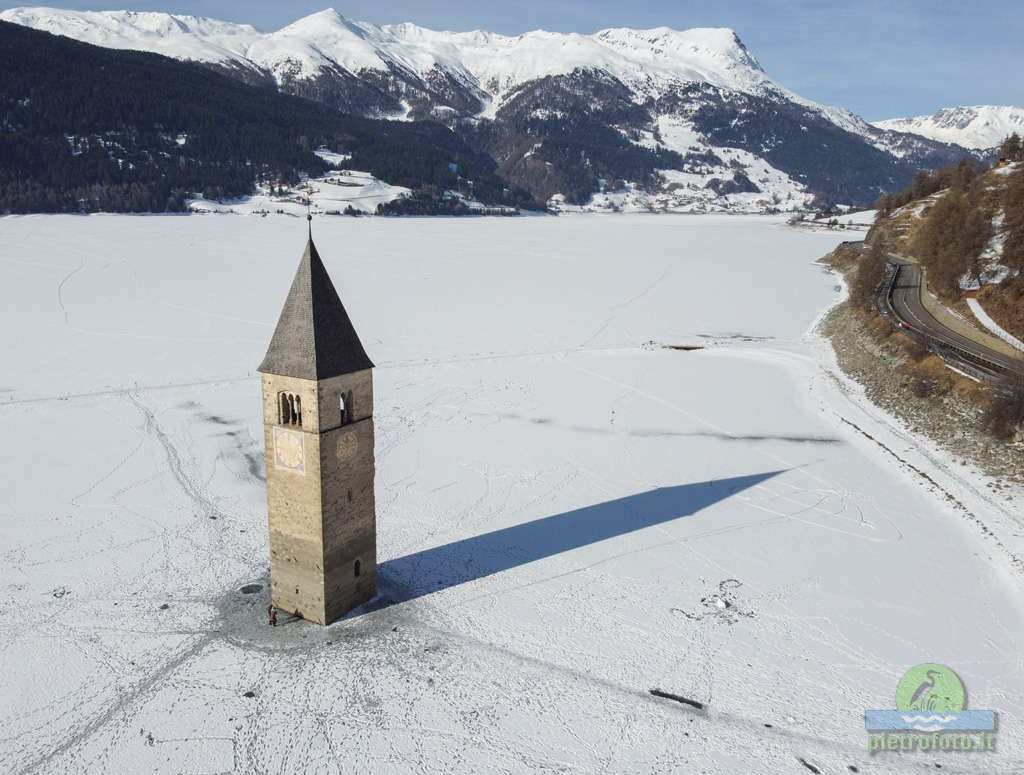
column 569, row 516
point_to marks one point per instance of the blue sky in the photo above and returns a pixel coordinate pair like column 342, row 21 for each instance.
column 881, row 59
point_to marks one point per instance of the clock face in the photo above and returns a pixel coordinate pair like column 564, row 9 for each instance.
column 289, row 450
column 348, row 445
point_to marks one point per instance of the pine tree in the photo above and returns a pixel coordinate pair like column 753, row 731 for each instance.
column 1011, row 148
column 963, row 174
column 869, row 277
column 949, row 240
column 1013, row 210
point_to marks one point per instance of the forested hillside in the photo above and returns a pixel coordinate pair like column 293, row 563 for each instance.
column 85, row 129
column 659, row 119
column 966, row 226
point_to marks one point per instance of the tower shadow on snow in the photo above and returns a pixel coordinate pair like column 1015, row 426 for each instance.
column 468, row 559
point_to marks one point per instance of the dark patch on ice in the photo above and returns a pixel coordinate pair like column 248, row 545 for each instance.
column 738, row 337
column 769, row 437
column 647, row 433
column 683, row 347
column 251, row 589
column 243, row 621
column 720, row 605
column 164, row 606
column 250, row 694
column 678, row 698
column 809, row 766
column 254, row 464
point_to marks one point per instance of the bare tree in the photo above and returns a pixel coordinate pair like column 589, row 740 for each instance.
column 1006, row 412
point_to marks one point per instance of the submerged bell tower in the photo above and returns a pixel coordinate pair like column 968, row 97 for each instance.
column 318, row 433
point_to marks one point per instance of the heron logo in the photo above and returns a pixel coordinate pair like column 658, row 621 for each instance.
column 931, row 712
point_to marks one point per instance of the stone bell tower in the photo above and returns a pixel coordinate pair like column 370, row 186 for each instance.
column 318, row 432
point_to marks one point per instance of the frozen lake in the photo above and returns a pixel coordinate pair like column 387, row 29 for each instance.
column 568, row 514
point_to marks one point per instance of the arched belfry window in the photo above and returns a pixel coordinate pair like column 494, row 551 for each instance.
column 289, row 409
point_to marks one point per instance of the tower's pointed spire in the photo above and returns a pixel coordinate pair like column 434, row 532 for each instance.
column 314, row 338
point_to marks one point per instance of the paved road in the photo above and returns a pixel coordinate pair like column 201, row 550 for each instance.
column 906, row 304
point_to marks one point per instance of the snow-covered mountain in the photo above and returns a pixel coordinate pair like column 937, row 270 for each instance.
column 491, row 64
column 976, row 126
column 688, row 117
column 485, row 66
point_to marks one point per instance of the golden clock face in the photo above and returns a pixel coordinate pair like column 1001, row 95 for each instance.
column 348, row 445
column 289, row 450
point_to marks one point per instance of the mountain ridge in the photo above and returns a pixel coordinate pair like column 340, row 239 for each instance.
column 499, row 63
column 85, row 128
column 686, row 119
column 980, row 127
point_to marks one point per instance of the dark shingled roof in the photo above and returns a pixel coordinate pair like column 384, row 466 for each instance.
column 314, row 338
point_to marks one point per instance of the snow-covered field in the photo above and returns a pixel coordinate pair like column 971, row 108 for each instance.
column 330, row 194
column 569, row 516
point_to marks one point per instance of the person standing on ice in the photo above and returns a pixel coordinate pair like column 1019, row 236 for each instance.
column 272, row 615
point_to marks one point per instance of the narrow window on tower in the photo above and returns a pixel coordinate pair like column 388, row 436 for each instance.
column 358, row 568
column 290, row 411
column 344, row 412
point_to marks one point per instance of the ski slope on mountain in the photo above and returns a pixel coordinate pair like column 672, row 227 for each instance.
column 977, row 126
column 570, row 513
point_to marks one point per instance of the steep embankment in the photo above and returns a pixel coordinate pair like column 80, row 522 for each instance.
column 968, row 234
column 962, row 227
